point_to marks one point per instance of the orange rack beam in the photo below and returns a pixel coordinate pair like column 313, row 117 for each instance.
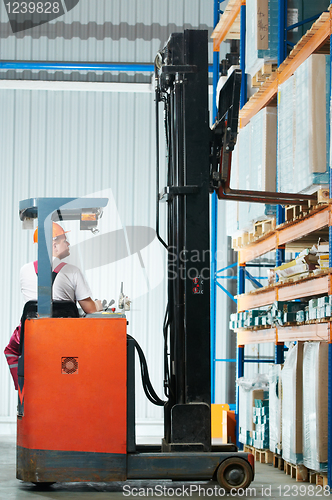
column 309, row 43
column 314, row 331
column 262, row 336
column 225, row 25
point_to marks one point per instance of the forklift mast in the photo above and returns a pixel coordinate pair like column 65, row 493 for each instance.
column 76, row 419
column 182, row 84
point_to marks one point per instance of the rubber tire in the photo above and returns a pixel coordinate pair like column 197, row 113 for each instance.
column 241, row 471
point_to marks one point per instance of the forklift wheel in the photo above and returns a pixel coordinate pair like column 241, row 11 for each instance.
column 234, row 473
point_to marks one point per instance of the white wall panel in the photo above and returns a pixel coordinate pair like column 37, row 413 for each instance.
column 78, row 144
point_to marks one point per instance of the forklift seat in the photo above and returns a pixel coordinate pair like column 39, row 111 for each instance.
column 60, row 309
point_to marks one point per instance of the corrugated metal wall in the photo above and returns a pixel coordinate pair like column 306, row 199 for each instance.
column 130, row 31
column 69, row 143
column 77, row 144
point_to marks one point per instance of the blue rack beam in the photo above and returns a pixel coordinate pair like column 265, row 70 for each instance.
column 214, row 226
column 79, row 66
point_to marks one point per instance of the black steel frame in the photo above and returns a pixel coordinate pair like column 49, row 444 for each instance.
column 182, row 85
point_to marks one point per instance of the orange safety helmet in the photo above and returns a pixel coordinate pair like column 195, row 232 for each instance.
column 57, row 231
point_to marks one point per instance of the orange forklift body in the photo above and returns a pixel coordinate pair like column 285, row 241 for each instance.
column 74, row 422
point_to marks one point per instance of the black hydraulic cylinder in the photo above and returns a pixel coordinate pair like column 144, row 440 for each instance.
column 183, row 80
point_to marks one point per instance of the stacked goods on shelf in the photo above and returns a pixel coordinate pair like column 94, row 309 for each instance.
column 278, row 314
column 237, row 320
column 256, row 317
column 261, row 419
column 275, row 401
column 257, row 165
column 315, row 402
column 292, row 426
column 323, row 254
column 303, row 101
column 286, row 134
column 306, row 261
column 239, row 180
column 281, row 313
column 261, row 33
column 249, row 392
column 311, row 99
column 262, row 28
column 314, row 259
column 248, row 319
column 312, row 311
column 285, row 312
column 253, row 169
column 319, row 308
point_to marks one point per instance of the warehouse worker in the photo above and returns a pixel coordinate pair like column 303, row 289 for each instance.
column 69, row 284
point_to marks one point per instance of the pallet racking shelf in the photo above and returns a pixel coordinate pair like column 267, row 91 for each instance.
column 315, row 40
column 285, row 235
column 312, row 286
column 313, row 332
column 229, row 25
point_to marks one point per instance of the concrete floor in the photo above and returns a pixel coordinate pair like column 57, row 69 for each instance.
column 269, row 483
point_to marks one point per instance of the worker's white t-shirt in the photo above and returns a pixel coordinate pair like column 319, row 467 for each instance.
column 69, row 284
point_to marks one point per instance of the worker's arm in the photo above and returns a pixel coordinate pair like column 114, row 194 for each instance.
column 90, row 306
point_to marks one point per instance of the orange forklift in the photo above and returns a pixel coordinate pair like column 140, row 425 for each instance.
column 76, row 410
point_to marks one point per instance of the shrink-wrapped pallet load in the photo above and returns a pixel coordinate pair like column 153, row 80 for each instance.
column 262, row 28
column 261, row 33
column 286, row 134
column 250, row 390
column 303, row 127
column 275, row 402
column 253, row 169
column 315, row 406
column 291, row 376
column 257, row 164
column 261, row 419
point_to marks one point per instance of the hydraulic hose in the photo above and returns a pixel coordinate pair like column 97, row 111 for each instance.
column 146, row 382
column 157, row 99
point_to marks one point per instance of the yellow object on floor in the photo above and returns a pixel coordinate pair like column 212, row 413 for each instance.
column 223, row 423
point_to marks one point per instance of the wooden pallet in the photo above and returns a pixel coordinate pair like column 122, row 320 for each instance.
column 263, row 227
column 278, row 461
column 319, row 479
column 241, row 240
column 261, row 456
column 259, row 229
column 263, row 74
column 323, row 196
column 298, row 472
column 295, row 212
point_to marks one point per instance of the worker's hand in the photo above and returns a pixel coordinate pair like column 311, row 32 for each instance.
column 99, row 305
